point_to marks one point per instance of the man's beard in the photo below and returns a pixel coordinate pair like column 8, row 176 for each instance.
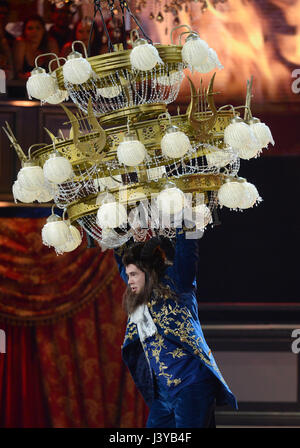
column 131, row 299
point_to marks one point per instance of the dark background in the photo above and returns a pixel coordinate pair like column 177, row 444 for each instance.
column 253, row 256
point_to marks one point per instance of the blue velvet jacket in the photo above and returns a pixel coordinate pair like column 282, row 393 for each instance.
column 175, row 320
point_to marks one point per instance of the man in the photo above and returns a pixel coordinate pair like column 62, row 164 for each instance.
column 164, row 346
column 60, row 30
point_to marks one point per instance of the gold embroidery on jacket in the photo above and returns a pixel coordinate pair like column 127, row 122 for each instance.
column 177, row 353
column 131, row 331
column 183, row 328
column 155, row 347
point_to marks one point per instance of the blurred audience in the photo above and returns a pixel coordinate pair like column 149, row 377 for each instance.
column 33, row 42
column 4, row 14
column 17, row 55
column 81, row 32
column 6, row 62
column 61, row 30
column 6, row 41
column 116, row 32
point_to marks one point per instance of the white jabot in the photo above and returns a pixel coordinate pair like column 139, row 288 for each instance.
column 142, row 318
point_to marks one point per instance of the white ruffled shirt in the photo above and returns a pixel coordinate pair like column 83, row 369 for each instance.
column 142, row 318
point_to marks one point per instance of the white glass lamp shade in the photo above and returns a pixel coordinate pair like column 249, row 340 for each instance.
column 44, row 195
column 111, row 215
column 77, row 69
column 262, row 132
column 144, row 56
column 58, row 97
column 242, row 139
column 109, row 92
column 23, row 195
column 40, row 84
column 175, row 143
column 212, row 55
column 31, row 177
column 219, row 158
column 195, row 51
column 250, row 195
column 104, row 197
column 248, row 152
column 72, row 243
column 131, row 151
column 55, row 232
column 238, row 194
column 170, row 201
column 231, row 194
column 57, row 169
column 210, row 63
column 202, row 216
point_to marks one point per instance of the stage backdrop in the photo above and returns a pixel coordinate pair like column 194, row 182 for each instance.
column 64, row 326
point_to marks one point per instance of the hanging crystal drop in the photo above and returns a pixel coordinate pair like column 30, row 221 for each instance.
column 159, row 17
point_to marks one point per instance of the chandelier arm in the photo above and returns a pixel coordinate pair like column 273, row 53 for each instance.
column 176, row 28
column 98, row 8
column 35, row 144
column 247, row 113
column 64, row 213
column 46, row 54
column 91, row 33
column 227, row 105
column 58, row 63
column 125, row 5
column 247, row 108
column 52, row 209
column 186, row 32
column 123, row 26
column 111, row 4
column 82, row 44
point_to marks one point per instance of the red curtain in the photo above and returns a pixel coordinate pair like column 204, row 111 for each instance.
column 64, row 326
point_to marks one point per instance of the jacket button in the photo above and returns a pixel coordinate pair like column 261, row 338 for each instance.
column 196, row 352
column 166, row 331
column 149, row 304
column 155, row 320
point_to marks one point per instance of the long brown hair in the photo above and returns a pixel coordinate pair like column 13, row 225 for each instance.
column 153, row 290
column 44, row 44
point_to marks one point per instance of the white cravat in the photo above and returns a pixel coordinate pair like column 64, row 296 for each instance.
column 142, row 318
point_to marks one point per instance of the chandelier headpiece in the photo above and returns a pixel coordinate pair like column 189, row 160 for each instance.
column 127, row 166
